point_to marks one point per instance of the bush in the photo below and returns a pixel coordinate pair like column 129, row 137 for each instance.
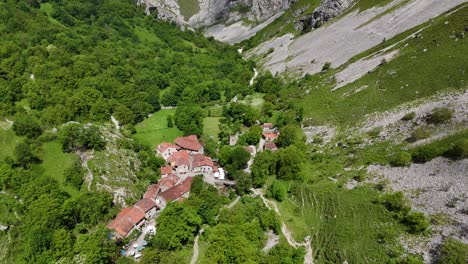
column 401, row 159
column 416, row 222
column 277, row 191
column 440, row 115
column 409, row 116
column 425, row 153
column 458, row 150
column 453, row 252
column 326, row 66
column 26, row 125
column 396, row 202
column 418, row 134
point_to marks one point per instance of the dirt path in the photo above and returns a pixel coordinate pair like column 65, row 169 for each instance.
column 195, row 247
column 309, row 257
column 233, row 203
column 254, row 77
column 85, row 157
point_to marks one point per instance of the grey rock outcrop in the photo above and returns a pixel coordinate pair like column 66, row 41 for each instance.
column 327, row 10
column 215, row 11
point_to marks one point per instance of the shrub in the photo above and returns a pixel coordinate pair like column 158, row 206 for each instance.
column 396, row 202
column 440, row 115
column 425, row 153
column 416, row 222
column 409, row 116
column 326, row 66
column 401, row 159
column 458, row 150
column 277, row 191
column 418, row 134
column 453, row 252
column 26, row 125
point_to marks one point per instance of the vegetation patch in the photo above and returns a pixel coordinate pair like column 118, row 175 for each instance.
column 188, row 8
column 154, row 129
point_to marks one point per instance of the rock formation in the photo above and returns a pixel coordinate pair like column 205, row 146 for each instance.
column 327, row 10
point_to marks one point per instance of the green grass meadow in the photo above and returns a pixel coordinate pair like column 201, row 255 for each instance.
column 188, row 8
column 153, row 130
column 8, row 141
column 211, row 127
column 343, row 224
column 55, row 162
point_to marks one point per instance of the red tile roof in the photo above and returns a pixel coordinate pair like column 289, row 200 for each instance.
column 201, row 160
column 125, row 220
column 166, row 170
column 145, row 204
column 190, row 143
column 270, row 136
column 271, row 146
column 177, row 191
column 179, row 158
column 152, row 191
column 168, row 181
column 166, row 145
column 249, row 149
column 268, row 125
column 215, row 168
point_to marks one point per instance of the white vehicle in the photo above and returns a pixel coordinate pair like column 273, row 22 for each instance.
column 137, row 256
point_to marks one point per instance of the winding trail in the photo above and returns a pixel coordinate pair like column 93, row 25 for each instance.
column 195, row 247
column 85, row 157
column 309, row 257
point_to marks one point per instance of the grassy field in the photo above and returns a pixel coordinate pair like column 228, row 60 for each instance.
column 429, row 65
column 55, row 162
column 188, row 8
column 211, row 127
column 8, row 140
column 154, row 130
column 344, row 224
column 255, row 100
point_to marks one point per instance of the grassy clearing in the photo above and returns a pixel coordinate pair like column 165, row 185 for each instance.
column 188, row 8
column 55, row 162
column 154, row 130
column 211, row 127
column 146, row 36
column 255, row 100
column 8, row 140
column 344, row 224
column 430, row 64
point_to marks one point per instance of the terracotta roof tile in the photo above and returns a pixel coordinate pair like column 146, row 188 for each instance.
column 152, row 191
column 177, row 191
column 168, row 182
column 165, row 145
column 179, row 158
column 249, row 149
column 145, row 204
column 125, row 220
column 271, row 146
column 189, row 142
column 166, row 170
column 268, row 125
column 201, row 160
column 270, row 136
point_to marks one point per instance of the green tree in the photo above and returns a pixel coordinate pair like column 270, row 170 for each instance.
column 26, row 125
column 96, row 246
column 177, row 226
column 263, row 166
column 290, row 135
column 189, row 119
column 74, row 175
column 277, row 191
column 24, row 155
column 289, row 163
column 234, row 158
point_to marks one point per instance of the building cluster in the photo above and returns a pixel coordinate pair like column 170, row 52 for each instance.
column 270, row 134
column 185, row 159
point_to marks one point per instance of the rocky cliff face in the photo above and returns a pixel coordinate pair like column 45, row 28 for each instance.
column 327, row 10
column 215, row 11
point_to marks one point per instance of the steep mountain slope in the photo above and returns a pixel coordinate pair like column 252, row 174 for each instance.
column 346, row 37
